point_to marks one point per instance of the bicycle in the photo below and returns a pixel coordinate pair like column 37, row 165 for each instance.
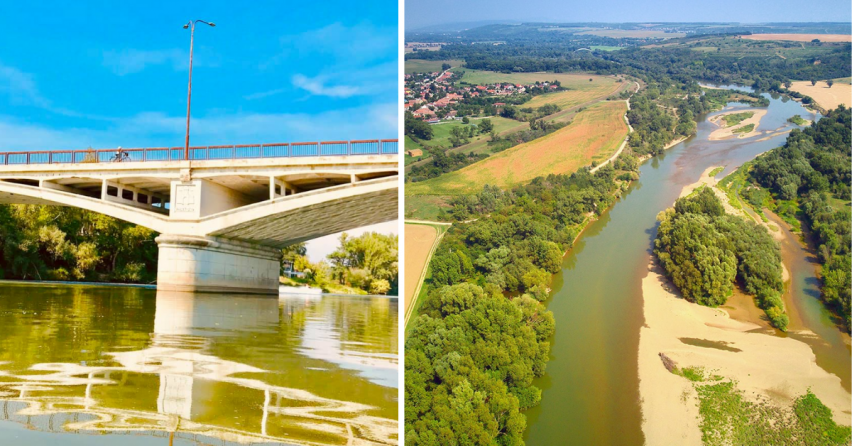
column 120, row 156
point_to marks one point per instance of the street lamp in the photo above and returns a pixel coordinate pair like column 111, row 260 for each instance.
column 191, row 27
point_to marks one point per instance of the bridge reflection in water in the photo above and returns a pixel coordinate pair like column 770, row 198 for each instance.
column 203, row 369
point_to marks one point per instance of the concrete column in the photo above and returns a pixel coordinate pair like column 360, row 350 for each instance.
column 215, row 265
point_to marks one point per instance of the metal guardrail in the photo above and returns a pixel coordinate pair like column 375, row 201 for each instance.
column 245, row 151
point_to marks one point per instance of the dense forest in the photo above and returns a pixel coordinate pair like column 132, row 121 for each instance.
column 481, row 335
column 470, row 359
column 706, row 252
column 812, row 172
column 734, row 60
column 65, row 243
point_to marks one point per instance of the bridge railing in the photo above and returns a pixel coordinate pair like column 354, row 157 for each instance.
column 240, row 151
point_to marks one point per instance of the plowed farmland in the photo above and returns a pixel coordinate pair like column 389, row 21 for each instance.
column 595, row 134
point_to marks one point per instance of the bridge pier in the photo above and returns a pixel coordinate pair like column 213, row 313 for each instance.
column 216, row 265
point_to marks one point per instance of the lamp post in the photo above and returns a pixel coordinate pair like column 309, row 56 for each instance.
column 191, row 27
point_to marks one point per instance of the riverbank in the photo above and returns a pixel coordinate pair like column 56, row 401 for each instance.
column 60, row 282
column 767, row 368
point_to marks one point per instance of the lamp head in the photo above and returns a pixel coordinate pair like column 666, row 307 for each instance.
column 186, row 26
column 212, row 24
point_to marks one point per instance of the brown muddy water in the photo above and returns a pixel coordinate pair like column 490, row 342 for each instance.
column 591, row 389
column 97, row 365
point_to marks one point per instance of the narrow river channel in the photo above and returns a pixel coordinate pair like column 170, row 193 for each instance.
column 591, row 388
column 87, row 365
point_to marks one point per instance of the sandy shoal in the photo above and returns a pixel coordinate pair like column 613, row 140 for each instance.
column 779, row 369
column 728, row 132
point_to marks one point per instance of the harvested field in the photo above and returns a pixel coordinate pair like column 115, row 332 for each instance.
column 480, row 77
column 595, row 134
column 632, row 33
column 827, row 98
column 580, row 91
column 801, row 37
column 418, row 245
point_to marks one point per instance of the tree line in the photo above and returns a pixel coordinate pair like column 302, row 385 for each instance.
column 482, row 333
column 812, row 171
column 40, row 242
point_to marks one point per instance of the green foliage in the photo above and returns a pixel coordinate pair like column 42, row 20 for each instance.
column 728, row 418
column 716, row 171
column 743, row 129
column 369, row 262
column 417, row 128
column 797, row 119
column 694, row 374
column 64, row 243
column 703, row 250
column 736, row 118
column 471, row 357
column 814, row 166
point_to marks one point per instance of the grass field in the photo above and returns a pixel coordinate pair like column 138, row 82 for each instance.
column 480, row 77
column 606, row 48
column 423, row 207
column 441, row 132
column 801, row 37
column 594, row 134
column 419, row 240
column 580, row 91
column 428, row 66
column 632, row 33
column 828, row 98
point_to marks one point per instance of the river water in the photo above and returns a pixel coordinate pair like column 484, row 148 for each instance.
column 591, row 388
column 86, row 365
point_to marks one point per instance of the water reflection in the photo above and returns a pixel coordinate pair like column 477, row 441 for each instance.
column 209, row 368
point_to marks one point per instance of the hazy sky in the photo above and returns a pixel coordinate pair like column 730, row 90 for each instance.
column 420, row 13
column 106, row 74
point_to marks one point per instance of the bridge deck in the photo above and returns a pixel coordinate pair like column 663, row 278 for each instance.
column 222, row 152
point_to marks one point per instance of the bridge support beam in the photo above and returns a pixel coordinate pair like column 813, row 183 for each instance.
column 216, row 265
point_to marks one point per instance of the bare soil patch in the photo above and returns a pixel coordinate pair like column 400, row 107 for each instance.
column 827, row 98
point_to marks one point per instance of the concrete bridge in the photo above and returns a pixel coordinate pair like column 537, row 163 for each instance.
column 224, row 214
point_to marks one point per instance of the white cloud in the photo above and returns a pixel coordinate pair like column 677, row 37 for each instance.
column 263, row 94
column 133, row 61
column 361, row 41
column 317, row 86
column 20, row 87
column 158, row 129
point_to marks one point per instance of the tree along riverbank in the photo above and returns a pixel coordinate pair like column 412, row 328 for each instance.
column 514, row 246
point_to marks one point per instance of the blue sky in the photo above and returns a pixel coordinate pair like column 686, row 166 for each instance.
column 106, row 74
column 419, row 13
column 103, row 74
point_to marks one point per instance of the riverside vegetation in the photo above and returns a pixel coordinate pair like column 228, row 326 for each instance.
column 39, row 242
column 728, row 416
column 466, row 380
column 809, row 179
column 705, row 251
column 367, row 264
